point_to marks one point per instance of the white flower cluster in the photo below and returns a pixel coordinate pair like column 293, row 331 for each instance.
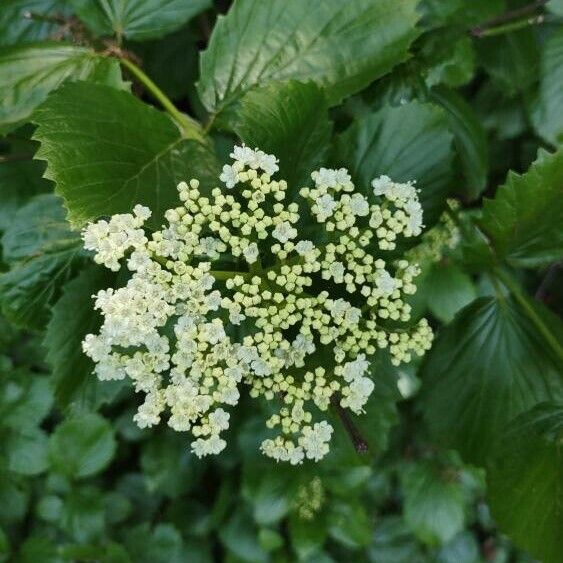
column 228, row 295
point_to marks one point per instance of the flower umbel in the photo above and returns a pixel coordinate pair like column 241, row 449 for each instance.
column 294, row 320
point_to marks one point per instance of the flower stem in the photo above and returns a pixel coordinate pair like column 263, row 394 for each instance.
column 190, row 128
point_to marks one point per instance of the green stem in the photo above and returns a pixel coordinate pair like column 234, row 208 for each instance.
column 523, row 301
column 509, row 27
column 190, row 128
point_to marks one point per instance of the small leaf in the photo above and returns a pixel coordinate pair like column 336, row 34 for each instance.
column 82, row 445
column 410, row 142
column 470, row 140
column 73, row 317
column 487, row 366
column 307, row 536
column 289, row 120
column 546, row 112
column 433, row 503
column 342, row 47
column 137, row 20
column 524, row 219
column 524, row 483
column 42, row 253
column 28, row 73
column 114, row 152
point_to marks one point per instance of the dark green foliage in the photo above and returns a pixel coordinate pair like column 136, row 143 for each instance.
column 463, row 96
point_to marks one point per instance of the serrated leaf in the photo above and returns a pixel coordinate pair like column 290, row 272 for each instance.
column 114, row 151
column 73, row 317
column 470, row 140
column 18, row 182
column 349, row 524
column 289, row 120
column 29, row 72
column 433, row 503
column 17, row 27
column 524, row 219
column 42, row 253
column 82, row 445
column 341, row 46
column 487, row 366
column 410, row 142
column 546, row 111
column 137, row 20
column 525, row 484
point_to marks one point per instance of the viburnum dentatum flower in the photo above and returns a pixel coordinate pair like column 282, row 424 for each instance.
column 296, row 320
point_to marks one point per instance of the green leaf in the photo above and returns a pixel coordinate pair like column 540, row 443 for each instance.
column 163, row 544
column 239, row 537
column 168, row 465
column 73, row 317
column 82, row 445
column 342, row 47
column 42, row 253
column 349, row 524
column 470, row 141
column 525, row 485
column 546, row 111
column 524, row 219
column 433, row 503
column 410, row 142
column 17, row 27
column 18, row 182
column 83, row 515
column 394, row 543
column 511, row 59
column 115, row 151
column 137, row 20
column 29, row 72
column 464, row 12
column 555, row 7
column 486, row 367
column 447, row 58
column 289, row 120
column 448, row 289
column 307, row 536
column 25, row 400
column 27, row 451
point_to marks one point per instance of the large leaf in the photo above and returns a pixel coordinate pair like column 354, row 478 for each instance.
column 42, row 253
column 137, row 19
column 525, row 217
column 19, row 180
column 342, row 46
column 82, row 445
column 410, row 142
column 29, row 72
column 546, row 115
column 525, row 482
column 470, row 141
column 17, row 27
column 434, row 503
column 72, row 319
column 486, row 367
column 107, row 151
column 289, row 120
